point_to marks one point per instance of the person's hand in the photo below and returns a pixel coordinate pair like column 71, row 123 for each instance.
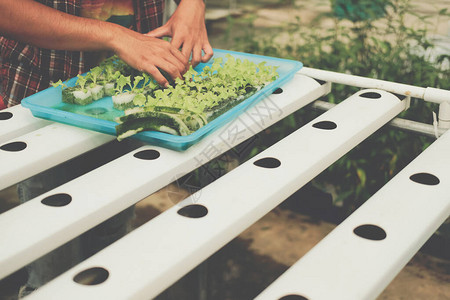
column 187, row 29
column 61, row 31
column 147, row 54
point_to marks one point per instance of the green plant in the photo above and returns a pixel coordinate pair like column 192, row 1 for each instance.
column 194, row 100
column 360, row 10
column 376, row 44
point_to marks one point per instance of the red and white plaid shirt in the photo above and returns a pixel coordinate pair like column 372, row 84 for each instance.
column 25, row 69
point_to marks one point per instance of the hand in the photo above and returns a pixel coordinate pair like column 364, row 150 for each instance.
column 147, row 54
column 187, row 29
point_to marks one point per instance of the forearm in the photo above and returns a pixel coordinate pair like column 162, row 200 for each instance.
column 36, row 24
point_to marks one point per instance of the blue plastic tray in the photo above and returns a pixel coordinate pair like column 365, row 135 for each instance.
column 100, row 115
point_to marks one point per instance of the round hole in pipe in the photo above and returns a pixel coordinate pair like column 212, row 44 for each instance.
column 326, row 125
column 268, row 162
column 14, row 146
column 425, row 178
column 370, row 232
column 147, row 154
column 277, row 91
column 57, row 200
column 92, row 276
column 371, row 95
column 6, row 115
column 293, row 297
column 194, row 211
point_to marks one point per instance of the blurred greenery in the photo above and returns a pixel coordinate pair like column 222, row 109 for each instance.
column 360, row 10
column 371, row 39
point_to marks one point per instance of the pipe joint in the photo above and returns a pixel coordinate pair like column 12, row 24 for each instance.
column 444, row 115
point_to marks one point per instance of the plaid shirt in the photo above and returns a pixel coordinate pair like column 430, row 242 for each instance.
column 25, row 69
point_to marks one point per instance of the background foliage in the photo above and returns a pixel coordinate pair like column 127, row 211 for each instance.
column 371, row 39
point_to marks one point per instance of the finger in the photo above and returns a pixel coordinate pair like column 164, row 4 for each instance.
column 160, row 32
column 171, row 69
column 176, row 42
column 208, row 52
column 196, row 55
column 187, row 49
column 156, row 74
column 181, row 66
column 179, row 56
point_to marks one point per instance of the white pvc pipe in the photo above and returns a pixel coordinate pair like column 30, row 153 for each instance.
column 416, row 127
column 427, row 94
column 46, row 148
column 444, row 115
column 351, row 265
column 33, row 229
column 167, row 247
column 412, row 126
column 16, row 121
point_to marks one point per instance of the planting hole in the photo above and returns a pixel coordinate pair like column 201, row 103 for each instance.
column 268, row 162
column 425, row 178
column 401, row 97
column 92, row 276
column 57, row 200
column 293, row 297
column 321, row 82
column 193, row 211
column 327, row 125
column 147, row 154
column 14, row 146
column 96, row 111
column 371, row 95
column 6, row 115
column 278, row 91
column 370, row 232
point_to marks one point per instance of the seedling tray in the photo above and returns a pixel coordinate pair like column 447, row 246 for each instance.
column 100, row 115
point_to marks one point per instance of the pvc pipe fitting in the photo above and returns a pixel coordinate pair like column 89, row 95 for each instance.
column 444, row 115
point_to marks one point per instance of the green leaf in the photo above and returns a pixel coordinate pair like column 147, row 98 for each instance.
column 94, row 73
column 136, row 81
column 140, row 100
column 362, row 176
column 59, row 83
column 122, row 82
column 81, row 81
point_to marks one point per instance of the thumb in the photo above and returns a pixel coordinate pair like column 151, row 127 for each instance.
column 160, row 32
